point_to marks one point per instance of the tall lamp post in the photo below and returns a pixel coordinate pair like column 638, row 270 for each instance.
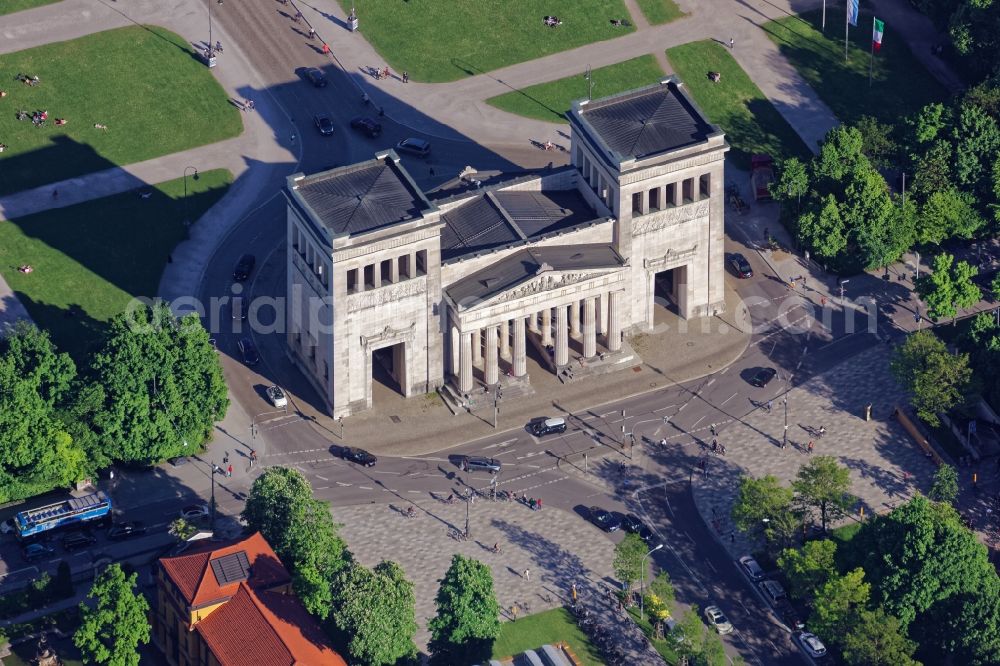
column 215, row 470
column 642, row 578
column 468, row 502
column 187, row 205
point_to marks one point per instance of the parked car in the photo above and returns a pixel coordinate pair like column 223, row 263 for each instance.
column 195, row 512
column 249, row 351
column 811, row 644
column 240, row 308
column 741, row 266
column 632, row 523
column 123, row 531
column 545, row 426
column 78, row 540
column 36, row 551
column 481, row 464
column 366, row 126
column 277, row 396
column 315, row 76
column 772, row 590
column 763, row 377
column 603, row 519
column 716, row 618
column 417, row 147
column 324, row 124
column 750, row 567
column 244, row 267
column 786, row 613
column 359, row 456
column 179, row 461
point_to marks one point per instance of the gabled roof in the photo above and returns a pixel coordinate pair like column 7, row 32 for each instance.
column 529, row 263
column 194, row 574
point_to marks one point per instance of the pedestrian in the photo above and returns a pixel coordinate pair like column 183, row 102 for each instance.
column 770, row 406
column 732, row 537
column 229, row 471
column 406, row 76
column 253, row 457
column 513, row 612
column 225, row 458
column 170, row 258
column 822, row 301
column 803, row 282
column 712, row 428
column 732, row 43
column 791, row 284
column 573, row 593
column 55, row 194
column 431, row 171
column 810, row 447
column 326, row 49
column 538, row 504
column 527, row 574
column 531, row 503
column 253, row 105
column 312, row 33
column 381, row 111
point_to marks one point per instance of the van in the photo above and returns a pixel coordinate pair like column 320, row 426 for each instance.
column 546, row 426
column 772, row 590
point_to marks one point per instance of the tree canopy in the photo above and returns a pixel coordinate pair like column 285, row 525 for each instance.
column 935, row 379
column 468, row 615
column 945, row 486
column 629, row 554
column 809, row 568
column 764, row 506
column 824, row 485
column 949, row 287
column 111, row 630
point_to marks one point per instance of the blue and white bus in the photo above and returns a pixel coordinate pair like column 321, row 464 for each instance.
column 68, row 513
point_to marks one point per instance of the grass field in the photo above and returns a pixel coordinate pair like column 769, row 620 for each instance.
column 444, row 41
column 660, row 11
column 736, row 104
column 549, row 627
column 550, row 101
column 900, row 84
column 143, row 83
column 11, row 6
column 92, row 258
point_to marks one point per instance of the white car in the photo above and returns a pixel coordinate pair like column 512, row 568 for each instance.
column 195, row 512
column 7, row 526
column 277, row 397
column 717, row 619
column 811, row 644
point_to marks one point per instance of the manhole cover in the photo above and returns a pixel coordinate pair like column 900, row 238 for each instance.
column 395, row 419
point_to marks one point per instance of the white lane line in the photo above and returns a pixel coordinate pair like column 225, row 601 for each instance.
column 533, row 466
column 695, row 424
column 322, row 487
column 729, row 398
column 366, row 488
column 415, row 492
column 617, row 411
column 344, row 485
column 710, row 382
column 725, row 370
column 711, row 566
column 322, row 477
column 382, row 471
column 662, row 408
column 502, row 444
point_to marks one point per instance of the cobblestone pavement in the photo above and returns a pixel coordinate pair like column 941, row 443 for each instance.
column 534, row 541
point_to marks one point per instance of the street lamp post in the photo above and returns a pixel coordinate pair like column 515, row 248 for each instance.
column 341, row 420
column 187, row 205
column 468, row 502
column 215, row 469
column 497, row 395
column 642, row 578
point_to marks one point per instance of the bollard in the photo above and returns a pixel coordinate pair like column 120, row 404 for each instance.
column 868, row 412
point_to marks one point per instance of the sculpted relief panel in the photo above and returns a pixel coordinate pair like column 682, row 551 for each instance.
column 670, row 257
column 385, row 295
column 388, row 336
column 667, row 218
column 544, row 283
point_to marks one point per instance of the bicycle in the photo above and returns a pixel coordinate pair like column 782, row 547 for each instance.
column 458, row 535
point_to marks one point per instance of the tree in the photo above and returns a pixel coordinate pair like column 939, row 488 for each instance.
column 713, row 651
column 373, row 610
column 948, row 213
column 876, row 137
column 301, row 531
column 792, row 182
column 36, row 451
column 929, row 122
column 810, row 568
column 662, row 587
column 468, row 615
column 935, row 379
column 877, row 639
column 110, row 632
column 883, row 230
column 182, row 529
column 764, row 506
column 945, row 486
column 824, row 485
column 995, row 288
column 838, row 602
column 977, row 139
column 824, row 230
column 629, row 554
column 163, row 386
column 932, row 169
column 949, row 287
column 689, row 634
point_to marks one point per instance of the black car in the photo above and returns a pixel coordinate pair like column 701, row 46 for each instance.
column 123, row 531
column 78, row 540
column 417, row 147
column 244, row 267
column 366, row 126
column 603, row 519
column 359, row 456
column 763, row 377
column 632, row 523
column 36, row 551
column 323, row 124
column 240, row 308
column 249, row 351
column 316, row 77
column 479, row 463
column 741, row 266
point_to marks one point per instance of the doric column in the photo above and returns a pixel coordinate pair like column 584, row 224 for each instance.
column 574, row 319
column 505, row 340
column 492, row 370
column 520, row 362
column 533, row 322
column 465, row 371
column 589, row 328
column 614, row 321
column 456, row 350
column 602, row 311
column 546, row 327
column 477, row 347
column 562, row 337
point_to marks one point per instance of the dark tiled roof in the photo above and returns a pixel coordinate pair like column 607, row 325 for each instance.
column 647, row 121
column 498, row 218
column 361, row 198
column 528, row 263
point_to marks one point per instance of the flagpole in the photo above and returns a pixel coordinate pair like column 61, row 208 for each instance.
column 847, row 23
column 871, row 60
column 824, row 17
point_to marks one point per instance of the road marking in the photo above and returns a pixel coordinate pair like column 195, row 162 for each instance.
column 662, row 408
column 424, row 458
column 418, row 492
column 773, row 646
column 729, row 398
column 17, row 571
column 506, row 442
column 711, row 566
column 344, row 485
column 710, row 382
column 322, row 487
column 695, row 424
column 322, row 477
column 366, row 488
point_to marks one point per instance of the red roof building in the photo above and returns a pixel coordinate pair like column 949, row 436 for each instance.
column 233, row 605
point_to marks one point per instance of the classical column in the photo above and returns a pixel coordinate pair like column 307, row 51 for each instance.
column 520, row 362
column 562, row 337
column 614, row 321
column 477, row 347
column 589, row 328
column 574, row 319
column 602, row 311
column 456, row 350
column 465, row 371
column 492, row 370
column 546, row 327
column 533, row 322
column 505, row 339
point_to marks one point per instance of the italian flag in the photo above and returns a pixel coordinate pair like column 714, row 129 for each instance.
column 878, row 27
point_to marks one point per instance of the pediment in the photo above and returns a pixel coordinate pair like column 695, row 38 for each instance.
column 547, row 280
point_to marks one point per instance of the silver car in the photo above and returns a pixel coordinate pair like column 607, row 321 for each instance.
column 716, row 618
column 811, row 644
column 277, row 396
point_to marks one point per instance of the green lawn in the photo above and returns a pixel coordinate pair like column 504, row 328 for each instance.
column 536, row 630
column 90, row 259
column 142, row 83
column 736, row 104
column 550, row 101
column 11, row 6
column 660, row 11
column 900, row 84
column 443, row 41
